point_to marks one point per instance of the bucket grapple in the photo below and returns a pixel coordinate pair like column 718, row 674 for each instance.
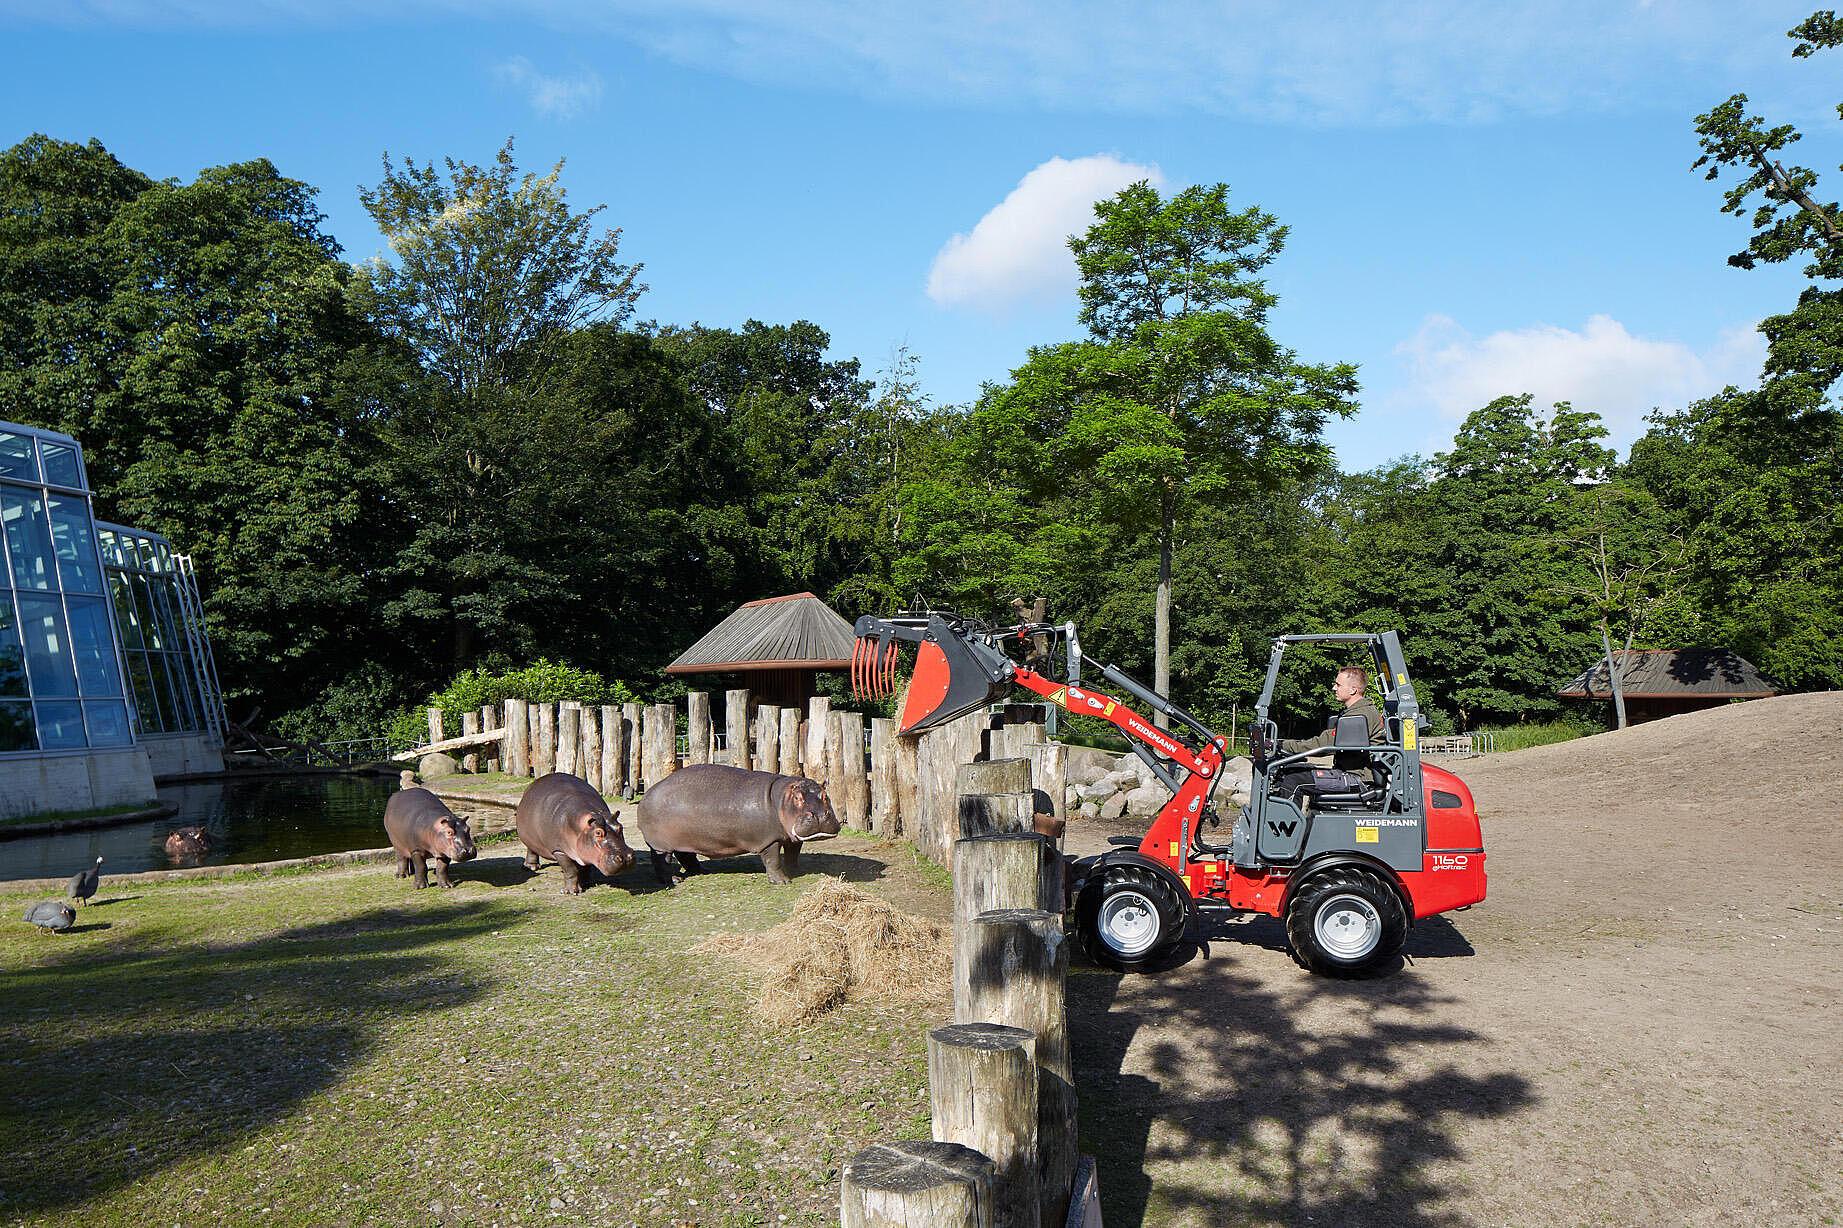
column 1350, row 871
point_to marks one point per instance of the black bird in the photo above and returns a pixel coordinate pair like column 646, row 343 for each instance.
column 83, row 883
column 52, row 916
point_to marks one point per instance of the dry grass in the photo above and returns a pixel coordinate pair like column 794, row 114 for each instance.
column 841, row 944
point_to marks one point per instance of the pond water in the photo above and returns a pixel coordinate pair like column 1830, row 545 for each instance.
column 259, row 819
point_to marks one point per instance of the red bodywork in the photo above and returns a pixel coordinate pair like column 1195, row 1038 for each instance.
column 1452, row 873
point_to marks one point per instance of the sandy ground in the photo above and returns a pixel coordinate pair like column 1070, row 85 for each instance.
column 1641, row 1025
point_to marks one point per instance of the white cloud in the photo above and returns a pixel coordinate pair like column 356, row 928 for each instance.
column 1019, row 250
column 552, row 96
column 1601, row 367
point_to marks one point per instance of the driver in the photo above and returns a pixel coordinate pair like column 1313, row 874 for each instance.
column 1350, row 687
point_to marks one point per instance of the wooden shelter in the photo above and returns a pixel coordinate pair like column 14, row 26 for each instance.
column 1664, row 682
column 775, row 646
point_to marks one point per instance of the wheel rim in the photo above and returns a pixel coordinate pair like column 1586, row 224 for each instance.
column 1128, row 923
column 1347, row 927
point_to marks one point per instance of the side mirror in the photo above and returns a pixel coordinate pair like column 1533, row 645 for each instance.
column 1352, row 731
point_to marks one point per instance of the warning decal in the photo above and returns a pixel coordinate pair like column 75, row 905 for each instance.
column 1369, row 835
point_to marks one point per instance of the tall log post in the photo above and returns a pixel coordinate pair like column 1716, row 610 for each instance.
column 736, row 729
column 547, row 739
column 991, row 797
column 489, row 721
column 470, row 722
column 535, row 738
column 908, row 787
column 916, row 1185
column 632, row 741
column 992, row 872
column 790, row 741
column 697, row 727
column 982, row 1088
column 851, row 786
column 768, row 738
column 1049, row 778
column 942, row 752
column 614, row 752
column 818, row 734
column 589, row 760
column 883, row 809
column 435, row 725
column 515, row 746
column 661, row 737
column 1018, row 976
column 569, row 736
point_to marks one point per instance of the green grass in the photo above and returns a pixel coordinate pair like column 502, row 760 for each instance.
column 53, row 816
column 1542, row 733
column 334, row 1047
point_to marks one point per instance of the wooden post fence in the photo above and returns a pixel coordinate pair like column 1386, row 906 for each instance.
column 633, row 739
column 589, row 762
column 1049, row 777
column 1003, row 871
column 938, row 761
column 614, row 752
column 736, row 729
column 851, row 786
column 768, row 738
column 489, row 722
column 818, row 735
column 884, row 818
column 535, row 738
column 790, row 741
column 993, row 796
column 435, row 726
column 569, row 736
column 916, row 1184
column 516, row 744
column 982, row 1084
column 697, row 728
column 547, row 740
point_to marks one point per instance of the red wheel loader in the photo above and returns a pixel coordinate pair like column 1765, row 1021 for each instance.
column 1350, row 860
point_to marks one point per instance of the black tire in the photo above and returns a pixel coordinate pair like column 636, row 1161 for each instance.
column 1346, row 921
column 1130, row 917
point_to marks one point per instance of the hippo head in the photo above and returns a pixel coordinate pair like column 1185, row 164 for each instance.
column 806, row 811
column 453, row 840
column 603, row 845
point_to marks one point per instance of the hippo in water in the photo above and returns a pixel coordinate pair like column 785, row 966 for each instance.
column 187, row 845
column 711, row 810
column 562, row 818
column 420, row 827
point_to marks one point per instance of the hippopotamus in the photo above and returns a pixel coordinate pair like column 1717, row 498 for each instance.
column 421, row 826
column 713, row 810
column 188, row 844
column 563, row 818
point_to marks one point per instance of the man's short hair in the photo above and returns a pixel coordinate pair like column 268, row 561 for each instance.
column 1361, row 673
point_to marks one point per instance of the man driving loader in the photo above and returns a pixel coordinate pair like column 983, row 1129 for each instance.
column 1350, row 687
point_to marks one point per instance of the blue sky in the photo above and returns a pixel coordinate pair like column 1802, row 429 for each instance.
column 1482, row 198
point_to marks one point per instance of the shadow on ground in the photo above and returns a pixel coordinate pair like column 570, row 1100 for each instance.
column 170, row 1050
column 1255, row 1100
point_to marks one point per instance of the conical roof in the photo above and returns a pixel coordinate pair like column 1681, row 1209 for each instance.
column 797, row 631
column 1671, row 673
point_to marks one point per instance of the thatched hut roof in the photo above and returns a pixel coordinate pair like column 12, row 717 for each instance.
column 1675, row 673
column 797, row 631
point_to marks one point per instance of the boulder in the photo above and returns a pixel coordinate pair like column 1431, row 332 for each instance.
column 1086, row 772
column 1122, row 780
column 438, row 764
column 1089, row 810
column 1238, row 773
column 1146, row 799
column 1113, row 807
column 1098, row 792
column 1240, row 798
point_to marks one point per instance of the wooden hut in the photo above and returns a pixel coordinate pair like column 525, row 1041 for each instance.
column 775, row 647
column 1664, row 682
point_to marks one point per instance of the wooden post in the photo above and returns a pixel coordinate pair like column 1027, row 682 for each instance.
column 736, row 728
column 993, row 796
column 631, row 741
column 883, row 810
column 1049, row 777
column 535, row 737
column 547, row 739
column 470, row 722
column 516, row 745
column 435, row 725
column 850, row 786
column 589, row 762
column 569, row 736
column 697, row 728
column 916, row 1185
column 982, row 1086
column 1018, row 976
column 992, row 872
column 661, row 743
column 613, row 754
column 493, row 756
column 790, row 741
column 818, row 733
column 942, row 752
column 908, row 786
column 768, row 738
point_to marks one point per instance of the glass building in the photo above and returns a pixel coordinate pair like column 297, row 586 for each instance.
column 102, row 648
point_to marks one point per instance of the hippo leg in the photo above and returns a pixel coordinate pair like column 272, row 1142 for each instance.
column 774, row 860
column 532, row 862
column 572, row 875
column 441, row 872
column 403, row 867
column 690, row 862
column 421, row 861
column 662, row 867
column 790, row 857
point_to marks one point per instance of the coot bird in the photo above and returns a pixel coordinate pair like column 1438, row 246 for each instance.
column 52, row 916
column 83, row 882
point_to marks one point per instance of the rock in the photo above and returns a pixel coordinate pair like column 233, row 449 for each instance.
column 1127, row 763
column 438, row 764
column 1113, row 807
column 1122, row 780
column 1086, row 773
column 1098, row 792
column 1089, row 810
column 1147, row 799
column 1238, row 773
column 1241, row 797
column 470, row 764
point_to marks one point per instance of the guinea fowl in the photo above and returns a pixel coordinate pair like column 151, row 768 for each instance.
column 52, row 916
column 83, row 883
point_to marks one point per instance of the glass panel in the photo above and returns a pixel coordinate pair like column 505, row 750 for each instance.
column 12, row 655
column 166, row 558
column 61, row 464
column 171, row 637
column 41, row 625
column 108, row 722
column 172, row 698
column 144, row 605
column 60, row 724
column 16, row 457
column 16, row 726
column 28, row 537
column 70, row 531
column 146, row 549
column 188, row 689
column 146, row 708
column 93, row 647
column 127, row 622
column 111, row 550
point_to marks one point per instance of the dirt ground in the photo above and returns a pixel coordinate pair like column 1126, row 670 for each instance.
column 1640, row 1025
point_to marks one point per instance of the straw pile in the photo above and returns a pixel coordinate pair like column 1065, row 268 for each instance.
column 841, row 945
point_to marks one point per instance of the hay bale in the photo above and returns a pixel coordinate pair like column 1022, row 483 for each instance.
column 841, row 944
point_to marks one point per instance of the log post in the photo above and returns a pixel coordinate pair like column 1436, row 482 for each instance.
column 589, row 761
column 993, row 796
column 982, row 1085
column 569, row 736
column 1049, row 778
column 535, row 737
column 515, row 746
column 908, row 787
column 614, row 751
column 768, row 738
column 697, row 728
column 435, row 726
column 631, row 741
column 882, row 818
column 489, row 721
column 942, row 752
column 818, row 735
column 547, row 739
column 1018, row 976
column 850, row 786
column 992, row 872
column 790, row 741
column 736, row 728
column 916, row 1185
column 661, row 738
column 470, row 723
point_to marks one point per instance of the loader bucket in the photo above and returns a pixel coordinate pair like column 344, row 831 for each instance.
column 948, row 682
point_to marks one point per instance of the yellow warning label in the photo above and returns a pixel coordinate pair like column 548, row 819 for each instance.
column 1187, row 885
column 1369, row 835
column 1108, row 710
column 1174, row 848
column 1401, row 679
column 1060, row 696
column 1407, row 736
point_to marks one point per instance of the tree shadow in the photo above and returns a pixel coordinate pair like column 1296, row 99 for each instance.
column 183, row 1049
column 1256, row 1099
